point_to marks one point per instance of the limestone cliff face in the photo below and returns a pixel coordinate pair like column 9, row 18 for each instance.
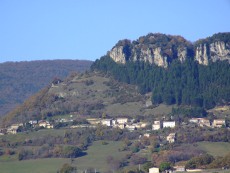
column 220, row 51
column 161, row 49
column 156, row 49
column 213, row 52
column 118, row 55
column 201, row 54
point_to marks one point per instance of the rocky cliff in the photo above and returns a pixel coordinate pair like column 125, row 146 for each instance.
column 161, row 49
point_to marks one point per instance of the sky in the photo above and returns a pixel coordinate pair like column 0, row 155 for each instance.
column 87, row 29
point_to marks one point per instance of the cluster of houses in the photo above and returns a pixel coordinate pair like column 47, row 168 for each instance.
column 174, row 169
column 202, row 122
column 120, row 122
column 15, row 128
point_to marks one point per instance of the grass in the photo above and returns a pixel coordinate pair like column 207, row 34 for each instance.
column 215, row 148
column 97, row 154
column 35, row 166
column 95, row 158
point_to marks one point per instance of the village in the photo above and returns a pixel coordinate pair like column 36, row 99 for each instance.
column 120, row 122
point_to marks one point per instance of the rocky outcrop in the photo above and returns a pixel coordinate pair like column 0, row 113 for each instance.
column 212, row 52
column 161, row 49
column 220, row 51
column 118, row 55
column 201, row 54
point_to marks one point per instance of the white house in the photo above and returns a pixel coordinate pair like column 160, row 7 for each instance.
column 171, row 137
column 218, row 123
column 179, row 168
column 170, row 124
column 122, row 120
column 156, row 125
column 106, row 122
column 154, row 170
column 13, row 129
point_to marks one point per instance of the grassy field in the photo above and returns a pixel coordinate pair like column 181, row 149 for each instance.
column 215, row 148
column 95, row 158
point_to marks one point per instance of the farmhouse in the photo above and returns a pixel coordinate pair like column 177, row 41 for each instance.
column 45, row 124
column 13, row 129
column 156, row 125
column 106, row 122
column 154, row 170
column 170, row 124
column 218, row 123
column 200, row 121
column 171, row 137
column 122, row 120
column 179, row 168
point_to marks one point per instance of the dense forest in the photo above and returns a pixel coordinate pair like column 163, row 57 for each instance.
column 187, row 83
column 19, row 80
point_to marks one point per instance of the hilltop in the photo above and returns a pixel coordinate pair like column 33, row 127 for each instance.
column 20, row 80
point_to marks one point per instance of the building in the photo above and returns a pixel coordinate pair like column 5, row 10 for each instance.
column 106, row 122
column 218, row 123
column 200, row 121
column 154, row 170
column 179, row 168
column 170, row 124
column 122, row 120
column 130, row 127
column 171, row 137
column 156, row 125
column 13, row 129
column 45, row 124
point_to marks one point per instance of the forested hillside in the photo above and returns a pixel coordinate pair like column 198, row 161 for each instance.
column 19, row 80
column 187, row 83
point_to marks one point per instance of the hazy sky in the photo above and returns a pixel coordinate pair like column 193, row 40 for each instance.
column 87, row 29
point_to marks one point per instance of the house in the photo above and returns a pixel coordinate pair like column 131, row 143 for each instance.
column 121, row 126
column 179, row 168
column 218, row 123
column 122, row 120
column 170, row 124
column 200, row 121
column 106, row 122
column 13, row 129
column 130, row 127
column 33, row 123
column 143, row 124
column 45, row 124
column 49, row 126
column 171, row 137
column 42, row 123
column 154, row 170
column 156, row 125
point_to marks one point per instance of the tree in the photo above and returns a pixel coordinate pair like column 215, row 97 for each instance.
column 165, row 166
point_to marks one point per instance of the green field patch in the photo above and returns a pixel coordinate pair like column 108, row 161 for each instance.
column 95, row 158
column 215, row 148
